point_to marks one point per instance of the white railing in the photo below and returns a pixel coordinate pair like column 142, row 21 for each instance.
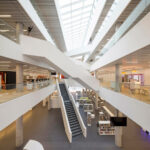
column 64, row 115
column 82, row 125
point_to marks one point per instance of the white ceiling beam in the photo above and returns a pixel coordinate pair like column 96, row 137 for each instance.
column 136, row 39
column 94, row 20
column 29, row 9
column 103, row 31
column 126, row 25
column 78, row 52
column 60, row 21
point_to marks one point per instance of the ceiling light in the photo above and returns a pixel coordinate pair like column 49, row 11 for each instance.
column 4, row 30
column 2, row 24
column 5, row 16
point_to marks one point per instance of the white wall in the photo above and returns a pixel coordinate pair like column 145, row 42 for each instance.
column 13, row 109
column 58, row 60
column 136, row 110
column 136, row 38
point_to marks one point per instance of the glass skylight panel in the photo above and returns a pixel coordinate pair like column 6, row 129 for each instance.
column 75, row 15
column 89, row 2
column 86, row 15
column 66, row 9
column 87, row 8
column 66, row 16
column 77, row 5
column 64, row 2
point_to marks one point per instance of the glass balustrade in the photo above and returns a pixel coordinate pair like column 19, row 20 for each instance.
column 11, row 91
column 131, row 89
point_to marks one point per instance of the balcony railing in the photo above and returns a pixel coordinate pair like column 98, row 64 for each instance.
column 131, row 89
column 11, row 91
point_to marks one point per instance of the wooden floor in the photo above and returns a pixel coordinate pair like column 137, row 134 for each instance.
column 47, row 127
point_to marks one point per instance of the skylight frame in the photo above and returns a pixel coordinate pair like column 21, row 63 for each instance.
column 74, row 26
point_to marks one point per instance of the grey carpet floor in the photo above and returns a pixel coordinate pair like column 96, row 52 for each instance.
column 47, row 128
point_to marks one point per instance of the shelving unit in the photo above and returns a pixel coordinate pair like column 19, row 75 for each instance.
column 88, row 107
column 104, row 128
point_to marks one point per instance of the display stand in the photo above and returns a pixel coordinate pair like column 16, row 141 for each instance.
column 89, row 119
column 29, row 86
column 88, row 107
column 105, row 128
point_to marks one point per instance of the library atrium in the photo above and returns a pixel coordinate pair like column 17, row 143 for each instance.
column 74, row 74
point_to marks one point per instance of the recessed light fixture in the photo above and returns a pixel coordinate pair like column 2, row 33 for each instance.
column 5, row 16
column 25, row 30
column 4, row 30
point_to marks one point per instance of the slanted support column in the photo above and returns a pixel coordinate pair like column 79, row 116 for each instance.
column 96, row 101
column 49, row 102
column 19, row 131
column 119, row 132
column 117, row 78
column 19, row 88
column 19, row 31
column 118, row 136
column 19, row 78
column 44, row 102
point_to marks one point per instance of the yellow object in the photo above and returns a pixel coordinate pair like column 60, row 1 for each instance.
column 123, row 72
column 133, row 71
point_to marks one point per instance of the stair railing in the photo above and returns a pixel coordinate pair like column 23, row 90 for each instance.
column 64, row 115
column 82, row 125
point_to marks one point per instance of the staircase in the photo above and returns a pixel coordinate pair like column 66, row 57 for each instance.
column 73, row 121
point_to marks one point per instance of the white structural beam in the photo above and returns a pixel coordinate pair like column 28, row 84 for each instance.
column 21, row 105
column 11, row 50
column 78, row 52
column 126, row 25
column 29, row 9
column 103, row 31
column 93, row 22
column 63, row 64
column 137, row 38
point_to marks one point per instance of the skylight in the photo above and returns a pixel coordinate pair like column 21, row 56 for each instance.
column 75, row 16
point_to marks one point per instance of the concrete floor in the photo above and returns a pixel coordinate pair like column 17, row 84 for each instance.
column 47, row 127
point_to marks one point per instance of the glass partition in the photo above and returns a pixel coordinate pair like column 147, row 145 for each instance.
column 11, row 91
column 131, row 89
